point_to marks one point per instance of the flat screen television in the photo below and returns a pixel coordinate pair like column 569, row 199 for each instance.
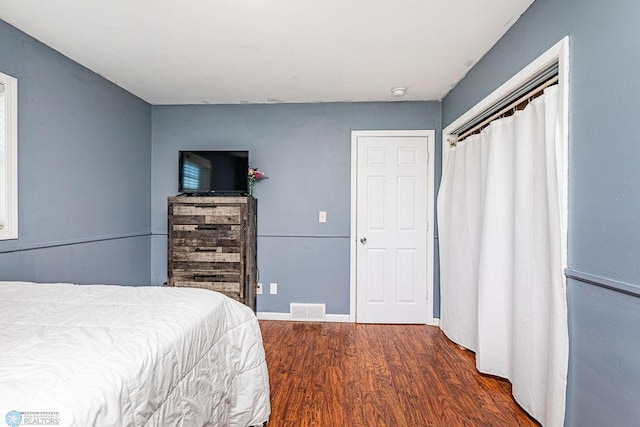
column 209, row 172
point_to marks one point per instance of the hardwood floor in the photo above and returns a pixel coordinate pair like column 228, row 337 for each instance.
column 344, row 374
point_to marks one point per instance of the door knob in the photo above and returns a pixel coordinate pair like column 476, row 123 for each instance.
column 363, row 240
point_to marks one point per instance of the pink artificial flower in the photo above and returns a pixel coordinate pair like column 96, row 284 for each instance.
column 259, row 175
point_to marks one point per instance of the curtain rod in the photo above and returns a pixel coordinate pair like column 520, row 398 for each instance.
column 484, row 123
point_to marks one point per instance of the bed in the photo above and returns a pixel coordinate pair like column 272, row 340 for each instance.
column 109, row 355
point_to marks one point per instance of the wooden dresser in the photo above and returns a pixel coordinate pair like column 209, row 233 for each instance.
column 212, row 245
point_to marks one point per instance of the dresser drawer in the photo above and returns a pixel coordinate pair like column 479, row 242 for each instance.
column 225, row 277
column 206, row 235
column 191, row 254
column 206, row 214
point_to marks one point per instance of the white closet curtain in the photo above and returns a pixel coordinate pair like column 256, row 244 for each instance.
column 503, row 293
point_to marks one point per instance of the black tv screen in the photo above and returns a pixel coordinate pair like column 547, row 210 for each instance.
column 223, row 172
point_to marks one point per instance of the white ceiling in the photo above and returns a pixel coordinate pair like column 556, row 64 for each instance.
column 269, row 51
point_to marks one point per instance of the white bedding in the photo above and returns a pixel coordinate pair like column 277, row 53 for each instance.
column 130, row 356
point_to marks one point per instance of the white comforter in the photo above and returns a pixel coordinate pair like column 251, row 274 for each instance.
column 130, row 356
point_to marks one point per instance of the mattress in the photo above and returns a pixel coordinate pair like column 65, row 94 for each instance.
column 104, row 355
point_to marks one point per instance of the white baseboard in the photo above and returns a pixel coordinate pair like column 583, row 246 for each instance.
column 434, row 322
column 339, row 318
column 265, row 315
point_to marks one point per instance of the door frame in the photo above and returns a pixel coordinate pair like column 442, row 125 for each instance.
column 430, row 135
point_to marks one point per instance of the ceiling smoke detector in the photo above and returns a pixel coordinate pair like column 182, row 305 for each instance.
column 399, row 91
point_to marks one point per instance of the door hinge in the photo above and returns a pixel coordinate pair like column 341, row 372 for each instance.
column 428, row 157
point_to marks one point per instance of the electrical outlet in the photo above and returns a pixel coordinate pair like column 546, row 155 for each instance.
column 322, row 216
column 273, row 288
column 259, row 289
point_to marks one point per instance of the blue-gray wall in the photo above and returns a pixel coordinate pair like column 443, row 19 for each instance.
column 604, row 213
column 305, row 150
column 84, row 164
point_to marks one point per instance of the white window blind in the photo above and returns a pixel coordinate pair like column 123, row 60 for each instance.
column 8, row 157
column 3, row 158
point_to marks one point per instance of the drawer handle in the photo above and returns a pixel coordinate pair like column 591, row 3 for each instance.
column 206, row 227
column 206, row 250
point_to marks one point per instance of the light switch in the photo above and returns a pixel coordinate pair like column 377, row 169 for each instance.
column 322, row 216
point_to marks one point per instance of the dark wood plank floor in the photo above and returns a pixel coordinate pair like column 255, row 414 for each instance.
column 344, row 374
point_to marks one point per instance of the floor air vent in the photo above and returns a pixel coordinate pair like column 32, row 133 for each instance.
column 308, row 312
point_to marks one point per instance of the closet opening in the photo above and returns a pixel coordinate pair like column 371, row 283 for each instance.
column 502, row 222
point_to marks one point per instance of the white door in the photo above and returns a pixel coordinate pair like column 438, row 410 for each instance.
column 391, row 228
